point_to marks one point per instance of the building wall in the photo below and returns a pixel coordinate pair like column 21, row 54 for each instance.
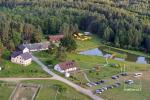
column 58, row 68
column 19, row 60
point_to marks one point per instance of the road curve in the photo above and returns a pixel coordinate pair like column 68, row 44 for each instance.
column 59, row 78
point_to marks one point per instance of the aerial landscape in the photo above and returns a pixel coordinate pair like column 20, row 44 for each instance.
column 74, row 49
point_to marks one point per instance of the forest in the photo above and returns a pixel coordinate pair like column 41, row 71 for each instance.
column 119, row 23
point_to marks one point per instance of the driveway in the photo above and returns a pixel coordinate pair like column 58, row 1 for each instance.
column 59, row 78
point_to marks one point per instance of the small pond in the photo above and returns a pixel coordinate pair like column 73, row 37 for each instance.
column 130, row 57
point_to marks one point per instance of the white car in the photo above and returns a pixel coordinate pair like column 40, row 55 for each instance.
column 137, row 74
column 89, row 85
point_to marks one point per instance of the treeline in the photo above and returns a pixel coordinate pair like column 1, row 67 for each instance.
column 26, row 20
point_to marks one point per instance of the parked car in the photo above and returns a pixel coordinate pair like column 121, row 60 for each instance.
column 137, row 74
column 89, row 85
column 102, row 81
column 129, row 81
column 110, row 87
column 118, row 83
column 115, row 85
column 124, row 74
column 115, row 77
column 104, row 88
column 98, row 91
column 92, row 83
column 98, row 83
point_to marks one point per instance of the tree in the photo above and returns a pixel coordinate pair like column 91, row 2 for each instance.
column 69, row 43
column 61, row 54
column 16, row 37
column 37, row 35
column 107, row 34
column 52, row 48
column 11, row 45
column 64, row 29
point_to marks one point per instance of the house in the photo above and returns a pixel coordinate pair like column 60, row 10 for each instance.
column 20, row 57
column 55, row 38
column 65, row 67
column 35, row 46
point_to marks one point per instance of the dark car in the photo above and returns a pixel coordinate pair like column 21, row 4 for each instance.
column 102, row 81
column 124, row 74
column 115, row 77
column 98, row 83
column 118, row 83
column 115, row 85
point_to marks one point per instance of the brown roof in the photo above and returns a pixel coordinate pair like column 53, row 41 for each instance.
column 67, row 65
column 55, row 37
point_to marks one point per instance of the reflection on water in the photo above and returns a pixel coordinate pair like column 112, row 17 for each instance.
column 92, row 52
column 130, row 57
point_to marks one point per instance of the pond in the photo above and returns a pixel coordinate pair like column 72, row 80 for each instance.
column 129, row 57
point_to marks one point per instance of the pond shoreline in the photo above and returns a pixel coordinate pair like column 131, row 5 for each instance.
column 130, row 56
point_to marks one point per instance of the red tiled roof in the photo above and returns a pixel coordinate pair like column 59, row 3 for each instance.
column 67, row 65
column 55, row 37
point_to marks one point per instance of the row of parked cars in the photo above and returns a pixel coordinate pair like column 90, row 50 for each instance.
column 104, row 88
column 90, row 84
column 118, row 75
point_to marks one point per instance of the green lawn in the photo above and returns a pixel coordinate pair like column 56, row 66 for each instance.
column 49, row 89
column 88, row 44
column 10, row 69
column 5, row 91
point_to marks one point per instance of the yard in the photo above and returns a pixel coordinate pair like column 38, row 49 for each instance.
column 10, row 69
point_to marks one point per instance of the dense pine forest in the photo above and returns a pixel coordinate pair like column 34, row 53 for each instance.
column 120, row 23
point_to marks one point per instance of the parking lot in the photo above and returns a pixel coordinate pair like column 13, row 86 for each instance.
column 127, row 80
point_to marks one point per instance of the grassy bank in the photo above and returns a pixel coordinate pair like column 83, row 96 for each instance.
column 116, row 54
column 139, row 53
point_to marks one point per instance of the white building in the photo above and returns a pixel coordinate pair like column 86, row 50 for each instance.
column 65, row 67
column 35, row 46
column 21, row 57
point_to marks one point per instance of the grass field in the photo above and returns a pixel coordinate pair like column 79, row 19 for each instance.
column 5, row 91
column 55, row 90
column 15, row 70
column 50, row 90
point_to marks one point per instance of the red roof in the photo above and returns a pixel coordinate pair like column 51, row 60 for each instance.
column 67, row 65
column 55, row 38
